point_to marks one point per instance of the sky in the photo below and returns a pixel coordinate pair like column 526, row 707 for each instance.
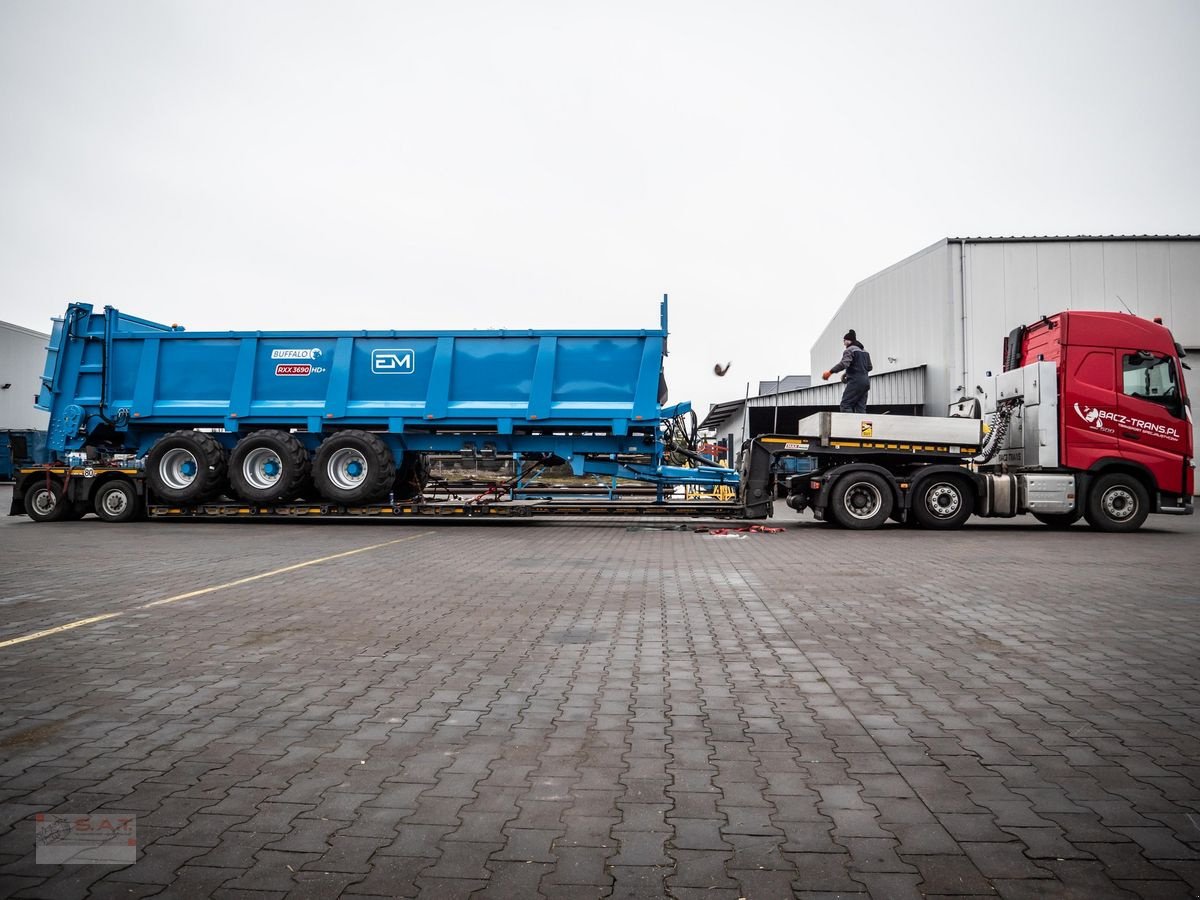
column 349, row 165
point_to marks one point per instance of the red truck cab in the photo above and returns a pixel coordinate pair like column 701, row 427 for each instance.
column 1123, row 404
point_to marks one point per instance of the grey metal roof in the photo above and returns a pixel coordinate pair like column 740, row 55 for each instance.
column 23, row 330
column 1076, row 237
column 903, row 387
column 786, row 383
column 719, row 413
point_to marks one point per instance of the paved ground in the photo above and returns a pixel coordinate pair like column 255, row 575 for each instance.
column 578, row 710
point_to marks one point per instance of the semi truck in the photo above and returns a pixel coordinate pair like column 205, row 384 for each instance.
column 1090, row 418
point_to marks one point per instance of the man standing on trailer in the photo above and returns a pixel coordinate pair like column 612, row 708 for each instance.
column 856, row 363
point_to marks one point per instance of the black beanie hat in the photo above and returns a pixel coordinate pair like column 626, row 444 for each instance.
column 850, row 336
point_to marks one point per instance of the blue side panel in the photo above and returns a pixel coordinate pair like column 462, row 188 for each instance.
column 112, row 377
column 21, row 448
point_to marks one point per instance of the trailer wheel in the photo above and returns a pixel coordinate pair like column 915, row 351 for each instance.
column 943, row 503
column 116, row 501
column 186, row 467
column 354, row 467
column 861, row 500
column 1117, row 502
column 44, row 502
column 411, row 477
column 268, row 466
column 1059, row 520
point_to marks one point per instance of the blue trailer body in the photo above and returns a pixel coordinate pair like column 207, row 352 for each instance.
column 585, row 396
column 21, row 447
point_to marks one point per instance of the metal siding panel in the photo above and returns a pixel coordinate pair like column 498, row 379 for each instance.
column 908, row 312
column 1154, row 279
column 906, row 387
column 1020, row 286
column 1087, row 275
column 22, row 360
column 985, row 315
column 1053, row 279
column 1183, row 315
column 1120, row 277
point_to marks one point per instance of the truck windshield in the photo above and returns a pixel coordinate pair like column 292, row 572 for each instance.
column 1151, row 377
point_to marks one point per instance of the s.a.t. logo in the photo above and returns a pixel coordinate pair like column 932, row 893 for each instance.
column 393, row 362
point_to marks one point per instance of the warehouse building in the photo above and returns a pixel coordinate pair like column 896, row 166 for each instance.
column 22, row 359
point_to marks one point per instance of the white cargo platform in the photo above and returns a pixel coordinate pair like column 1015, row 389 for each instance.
column 830, row 428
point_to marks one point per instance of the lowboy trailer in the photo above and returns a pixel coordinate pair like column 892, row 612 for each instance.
column 1090, row 419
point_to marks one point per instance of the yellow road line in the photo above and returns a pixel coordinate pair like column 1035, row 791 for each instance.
column 49, row 631
column 208, row 590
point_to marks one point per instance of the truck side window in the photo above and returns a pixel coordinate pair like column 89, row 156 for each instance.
column 1150, row 377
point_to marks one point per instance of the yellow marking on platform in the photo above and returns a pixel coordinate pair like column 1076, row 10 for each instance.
column 202, row 591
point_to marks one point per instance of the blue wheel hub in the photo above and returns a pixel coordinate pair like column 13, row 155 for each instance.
column 188, row 468
column 354, row 469
column 271, row 468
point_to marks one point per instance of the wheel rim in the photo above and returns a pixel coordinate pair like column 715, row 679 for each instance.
column 178, row 468
column 943, row 500
column 44, row 501
column 262, row 468
column 1119, row 503
column 862, row 500
column 346, row 469
column 114, row 502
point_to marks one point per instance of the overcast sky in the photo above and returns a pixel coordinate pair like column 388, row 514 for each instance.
column 460, row 165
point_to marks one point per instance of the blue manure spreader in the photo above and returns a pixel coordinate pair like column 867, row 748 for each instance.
column 151, row 419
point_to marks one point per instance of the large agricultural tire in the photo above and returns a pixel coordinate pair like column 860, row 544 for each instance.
column 268, row 467
column 44, row 501
column 1059, row 521
column 1117, row 503
column 186, row 467
column 411, row 477
column 354, row 467
column 943, row 503
column 117, row 501
column 861, row 501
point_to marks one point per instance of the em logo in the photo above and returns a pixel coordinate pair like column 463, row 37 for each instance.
column 392, row 362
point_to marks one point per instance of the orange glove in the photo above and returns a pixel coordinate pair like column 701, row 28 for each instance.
column 825, row 375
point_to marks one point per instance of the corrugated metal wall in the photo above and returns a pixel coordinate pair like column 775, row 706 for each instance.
column 905, row 316
column 22, row 360
column 901, row 388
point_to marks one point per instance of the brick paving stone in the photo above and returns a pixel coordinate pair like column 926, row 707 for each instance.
column 619, row 713
column 391, row 876
column 949, row 875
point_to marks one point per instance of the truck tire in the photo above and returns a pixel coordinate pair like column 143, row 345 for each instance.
column 861, row 500
column 268, row 467
column 411, row 477
column 1117, row 503
column 116, row 501
column 943, row 503
column 1059, row 520
column 186, row 467
column 354, row 467
column 44, row 502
